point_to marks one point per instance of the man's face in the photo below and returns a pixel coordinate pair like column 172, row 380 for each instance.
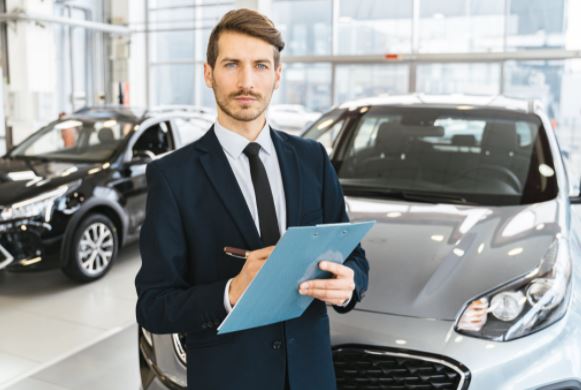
column 244, row 76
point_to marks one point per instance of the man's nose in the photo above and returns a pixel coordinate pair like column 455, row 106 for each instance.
column 246, row 78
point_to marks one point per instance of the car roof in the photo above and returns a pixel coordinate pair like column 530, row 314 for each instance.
column 139, row 115
column 457, row 101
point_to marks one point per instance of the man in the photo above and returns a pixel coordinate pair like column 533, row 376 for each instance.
column 242, row 184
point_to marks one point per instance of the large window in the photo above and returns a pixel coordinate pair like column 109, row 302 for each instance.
column 360, row 81
column 306, row 84
column 305, row 25
column 461, row 25
column 536, row 24
column 374, row 26
column 477, row 79
column 173, row 84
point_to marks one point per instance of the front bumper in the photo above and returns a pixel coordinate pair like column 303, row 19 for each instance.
column 28, row 245
column 547, row 357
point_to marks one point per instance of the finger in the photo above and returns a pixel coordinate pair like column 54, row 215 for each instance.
column 330, row 284
column 261, row 254
column 337, row 269
column 327, row 294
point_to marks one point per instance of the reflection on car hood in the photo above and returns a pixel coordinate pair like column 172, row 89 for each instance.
column 428, row 260
column 21, row 179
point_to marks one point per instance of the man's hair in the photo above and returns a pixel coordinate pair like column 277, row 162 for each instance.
column 249, row 22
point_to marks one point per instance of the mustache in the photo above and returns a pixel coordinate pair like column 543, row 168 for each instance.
column 246, row 92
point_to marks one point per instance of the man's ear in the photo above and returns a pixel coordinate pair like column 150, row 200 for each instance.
column 277, row 75
column 208, row 78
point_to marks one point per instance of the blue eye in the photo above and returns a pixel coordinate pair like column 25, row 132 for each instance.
column 230, row 65
column 262, row 66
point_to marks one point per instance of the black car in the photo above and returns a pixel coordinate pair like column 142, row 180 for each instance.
column 74, row 192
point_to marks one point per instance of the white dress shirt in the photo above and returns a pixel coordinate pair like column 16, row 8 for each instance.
column 233, row 145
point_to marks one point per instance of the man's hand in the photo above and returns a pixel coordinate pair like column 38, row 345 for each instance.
column 334, row 291
column 253, row 264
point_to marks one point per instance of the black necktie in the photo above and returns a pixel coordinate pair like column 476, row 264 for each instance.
column 266, row 212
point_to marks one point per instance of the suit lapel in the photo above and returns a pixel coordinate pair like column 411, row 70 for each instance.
column 222, row 177
column 289, row 169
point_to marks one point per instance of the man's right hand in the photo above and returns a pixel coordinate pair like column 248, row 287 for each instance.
column 253, row 264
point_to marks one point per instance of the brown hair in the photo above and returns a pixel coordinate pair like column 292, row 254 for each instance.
column 249, row 22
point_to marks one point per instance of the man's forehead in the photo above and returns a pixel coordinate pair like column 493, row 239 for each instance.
column 242, row 47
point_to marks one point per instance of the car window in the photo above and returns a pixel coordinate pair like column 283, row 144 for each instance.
column 487, row 157
column 326, row 130
column 76, row 139
column 155, row 139
column 191, row 129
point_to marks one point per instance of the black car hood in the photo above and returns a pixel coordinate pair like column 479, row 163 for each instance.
column 22, row 179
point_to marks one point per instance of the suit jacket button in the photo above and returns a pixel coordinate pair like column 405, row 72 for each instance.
column 276, row 345
column 204, row 325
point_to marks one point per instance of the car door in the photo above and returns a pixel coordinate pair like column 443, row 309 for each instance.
column 151, row 142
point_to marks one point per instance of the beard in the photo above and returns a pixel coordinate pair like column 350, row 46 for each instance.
column 244, row 112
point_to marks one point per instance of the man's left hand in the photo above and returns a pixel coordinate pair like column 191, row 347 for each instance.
column 335, row 291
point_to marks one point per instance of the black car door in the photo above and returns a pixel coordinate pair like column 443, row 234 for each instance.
column 152, row 143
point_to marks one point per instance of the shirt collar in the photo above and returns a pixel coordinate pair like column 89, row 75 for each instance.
column 234, row 143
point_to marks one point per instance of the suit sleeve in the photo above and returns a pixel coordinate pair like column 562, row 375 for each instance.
column 166, row 302
column 333, row 212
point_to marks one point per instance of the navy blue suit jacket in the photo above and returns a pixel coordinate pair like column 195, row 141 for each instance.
column 195, row 208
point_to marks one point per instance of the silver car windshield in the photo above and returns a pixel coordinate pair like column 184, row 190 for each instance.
column 75, row 140
column 489, row 157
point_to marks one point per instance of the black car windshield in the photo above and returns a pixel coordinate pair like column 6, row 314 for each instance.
column 86, row 139
column 461, row 155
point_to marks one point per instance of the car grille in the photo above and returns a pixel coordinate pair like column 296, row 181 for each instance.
column 366, row 368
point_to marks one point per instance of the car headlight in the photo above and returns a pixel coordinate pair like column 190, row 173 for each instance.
column 525, row 305
column 40, row 205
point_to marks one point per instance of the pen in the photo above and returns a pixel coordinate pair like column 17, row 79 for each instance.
column 236, row 252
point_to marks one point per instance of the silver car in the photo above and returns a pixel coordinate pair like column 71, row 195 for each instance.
column 475, row 264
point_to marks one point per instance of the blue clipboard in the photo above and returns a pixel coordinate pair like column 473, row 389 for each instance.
column 273, row 295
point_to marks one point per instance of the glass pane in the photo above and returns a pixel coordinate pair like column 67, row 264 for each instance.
column 557, row 85
column 476, row 79
column 535, row 24
column 172, row 46
column 72, row 139
column 305, row 25
column 306, row 84
column 374, row 26
column 359, row 81
column 461, row 25
column 208, row 18
column 475, row 157
column 172, row 84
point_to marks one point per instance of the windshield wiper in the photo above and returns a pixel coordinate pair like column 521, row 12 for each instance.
column 418, row 196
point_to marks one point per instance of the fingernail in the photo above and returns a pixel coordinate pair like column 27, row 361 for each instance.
column 304, row 286
column 323, row 264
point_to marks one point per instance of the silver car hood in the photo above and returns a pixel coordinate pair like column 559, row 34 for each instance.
column 428, row 260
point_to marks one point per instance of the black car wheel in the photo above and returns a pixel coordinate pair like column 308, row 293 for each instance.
column 93, row 249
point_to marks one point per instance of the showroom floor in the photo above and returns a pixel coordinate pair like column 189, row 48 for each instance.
column 59, row 335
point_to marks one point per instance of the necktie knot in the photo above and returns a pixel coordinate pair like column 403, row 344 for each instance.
column 252, row 149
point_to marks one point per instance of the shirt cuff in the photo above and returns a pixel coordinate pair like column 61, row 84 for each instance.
column 227, row 298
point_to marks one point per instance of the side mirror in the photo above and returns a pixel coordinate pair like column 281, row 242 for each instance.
column 141, row 157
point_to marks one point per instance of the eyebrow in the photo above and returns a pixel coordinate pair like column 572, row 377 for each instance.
column 260, row 60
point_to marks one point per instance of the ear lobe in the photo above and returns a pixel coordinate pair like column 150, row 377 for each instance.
column 277, row 76
column 208, row 79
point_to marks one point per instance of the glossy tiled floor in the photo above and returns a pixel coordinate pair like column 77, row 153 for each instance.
column 49, row 325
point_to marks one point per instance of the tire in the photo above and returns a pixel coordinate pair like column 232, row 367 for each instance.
column 92, row 250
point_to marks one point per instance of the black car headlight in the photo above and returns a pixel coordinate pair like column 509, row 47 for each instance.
column 38, row 206
column 525, row 305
